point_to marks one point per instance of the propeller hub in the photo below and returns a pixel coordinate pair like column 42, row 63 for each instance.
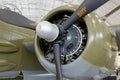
column 47, row 31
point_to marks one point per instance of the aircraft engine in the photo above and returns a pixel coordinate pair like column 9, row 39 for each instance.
column 88, row 50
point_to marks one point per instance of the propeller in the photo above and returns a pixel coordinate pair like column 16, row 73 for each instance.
column 55, row 34
column 17, row 19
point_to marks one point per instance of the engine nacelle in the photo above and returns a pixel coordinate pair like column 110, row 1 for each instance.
column 89, row 50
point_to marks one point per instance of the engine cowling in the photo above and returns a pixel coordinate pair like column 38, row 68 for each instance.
column 88, row 50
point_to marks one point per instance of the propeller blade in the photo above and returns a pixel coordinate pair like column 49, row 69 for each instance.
column 117, row 31
column 14, row 18
column 57, row 61
column 86, row 7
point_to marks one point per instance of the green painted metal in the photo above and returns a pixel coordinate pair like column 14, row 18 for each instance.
column 6, row 65
column 13, row 49
column 7, row 47
column 101, row 48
